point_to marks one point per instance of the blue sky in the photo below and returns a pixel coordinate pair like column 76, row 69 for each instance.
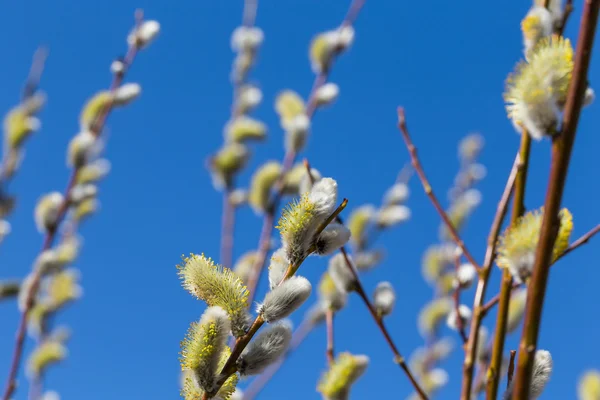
column 445, row 63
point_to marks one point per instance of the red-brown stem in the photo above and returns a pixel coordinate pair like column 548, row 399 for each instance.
column 460, row 322
column 288, row 161
column 250, row 7
column 227, row 227
column 398, row 358
column 297, row 338
column 329, row 323
column 511, row 367
column 490, row 254
column 493, row 372
column 562, row 146
column 429, row 191
column 566, row 13
column 51, row 234
column 581, row 241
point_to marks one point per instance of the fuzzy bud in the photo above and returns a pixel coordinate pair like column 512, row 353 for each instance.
column 341, row 274
column 265, row 349
column 248, row 98
column 126, row 93
column 330, row 294
column 246, row 39
column 327, row 94
column 589, row 386
column 307, row 182
column 465, row 276
column 366, row 260
column 243, row 266
column 590, row 95
column 243, row 129
column 277, row 268
column 144, row 34
column 285, row 298
column 432, row 314
column 296, row 133
column 397, row 194
column 93, row 171
column 228, row 161
column 392, row 215
column 261, row 184
column 542, row 368
column 465, row 315
column 326, row 45
column 332, row 238
column 83, row 192
column 81, row 148
column 516, row 309
column 47, row 211
column 384, row 298
column 344, row 371
column 359, row 221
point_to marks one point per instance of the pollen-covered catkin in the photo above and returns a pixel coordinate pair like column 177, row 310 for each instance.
column 202, row 347
column 265, row 349
column 284, row 299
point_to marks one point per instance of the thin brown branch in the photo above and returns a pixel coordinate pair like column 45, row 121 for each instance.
column 250, row 7
column 565, row 17
column 562, row 146
column 490, row 254
column 330, row 355
column 288, row 161
column 97, row 128
column 35, row 72
column 398, row 358
column 227, row 228
column 429, row 191
column 460, row 322
column 493, row 372
column 511, row 367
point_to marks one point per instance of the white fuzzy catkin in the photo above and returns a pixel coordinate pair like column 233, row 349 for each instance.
column 397, row 194
column 296, row 133
column 341, row 274
column 83, row 192
column 143, row 35
column 46, row 211
column 285, row 298
column 279, row 264
column 465, row 276
column 327, row 94
column 542, row 368
column 265, row 349
column 384, row 298
column 332, row 238
column 324, row 196
column 306, row 183
column 81, row 148
column 246, row 39
column 465, row 316
column 392, row 215
column 126, row 93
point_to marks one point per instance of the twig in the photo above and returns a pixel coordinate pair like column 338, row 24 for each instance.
column 398, row 358
column 288, row 161
column 227, row 228
column 565, row 17
column 460, row 322
column 511, row 367
column 490, row 254
column 562, row 146
column 250, row 7
column 429, row 191
column 329, row 322
column 51, row 234
column 298, row 337
column 493, row 372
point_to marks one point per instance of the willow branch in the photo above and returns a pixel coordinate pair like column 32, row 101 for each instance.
column 562, row 146
column 398, row 358
column 460, row 322
column 240, row 344
column 329, row 323
column 511, row 367
column 493, row 372
column 429, row 191
column 288, row 161
column 96, row 130
column 490, row 254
